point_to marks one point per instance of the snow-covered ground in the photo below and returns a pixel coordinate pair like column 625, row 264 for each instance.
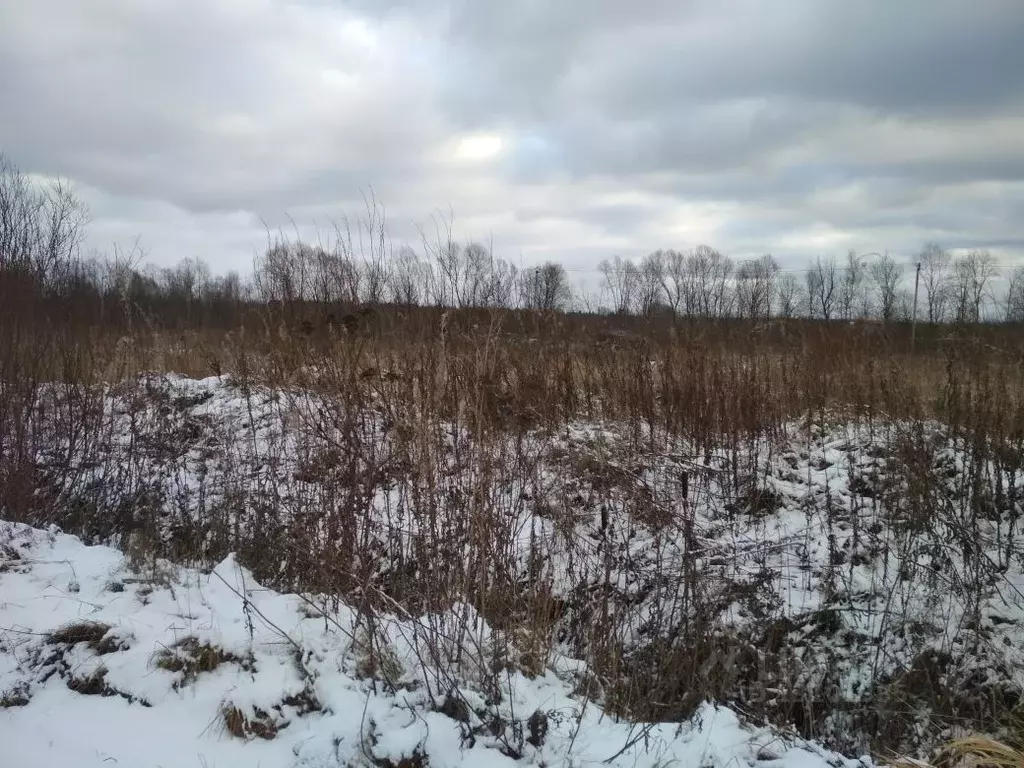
column 868, row 575
column 101, row 666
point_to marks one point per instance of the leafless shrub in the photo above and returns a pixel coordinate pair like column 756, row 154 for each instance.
column 455, row 463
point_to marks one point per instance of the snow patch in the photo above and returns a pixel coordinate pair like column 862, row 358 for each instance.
column 285, row 689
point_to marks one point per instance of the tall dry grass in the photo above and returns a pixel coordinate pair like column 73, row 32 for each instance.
column 421, row 441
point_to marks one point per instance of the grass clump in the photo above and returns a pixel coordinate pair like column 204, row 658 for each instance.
column 375, row 660
column 243, row 726
column 190, row 658
column 17, row 695
column 93, row 633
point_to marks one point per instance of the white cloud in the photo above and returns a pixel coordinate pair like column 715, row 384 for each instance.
column 479, row 147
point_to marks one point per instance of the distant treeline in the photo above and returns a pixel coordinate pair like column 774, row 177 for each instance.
column 314, row 286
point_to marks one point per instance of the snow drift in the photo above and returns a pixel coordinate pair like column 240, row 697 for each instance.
column 101, row 665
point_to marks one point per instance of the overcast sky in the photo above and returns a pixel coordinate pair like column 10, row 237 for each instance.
column 561, row 128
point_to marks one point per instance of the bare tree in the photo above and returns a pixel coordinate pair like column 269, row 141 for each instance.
column 349, row 268
column 448, row 287
column 584, row 299
column 651, row 281
column 41, row 225
column 972, row 275
column 674, row 280
column 444, row 252
column 119, row 280
column 709, row 273
column 501, row 284
column 935, row 280
column 274, row 274
column 545, row 288
column 904, row 305
column 822, row 288
column 886, row 274
column 324, row 286
column 376, row 276
column 334, row 274
column 620, row 280
column 851, row 291
column 789, row 299
column 477, row 269
column 375, row 252
column 470, row 276
column 345, row 276
column 1015, row 296
column 227, row 289
column 755, row 287
column 410, row 283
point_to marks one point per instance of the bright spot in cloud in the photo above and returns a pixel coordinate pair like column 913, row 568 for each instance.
column 482, row 146
column 358, row 31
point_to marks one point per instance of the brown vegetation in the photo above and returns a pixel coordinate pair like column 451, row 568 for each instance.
column 457, row 388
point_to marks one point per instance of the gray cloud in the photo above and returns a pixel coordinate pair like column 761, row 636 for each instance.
column 209, row 105
column 641, row 58
column 786, row 128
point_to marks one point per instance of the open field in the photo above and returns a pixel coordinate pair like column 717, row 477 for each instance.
column 825, row 537
column 531, row 535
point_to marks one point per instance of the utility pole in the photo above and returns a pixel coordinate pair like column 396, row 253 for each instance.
column 913, row 321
